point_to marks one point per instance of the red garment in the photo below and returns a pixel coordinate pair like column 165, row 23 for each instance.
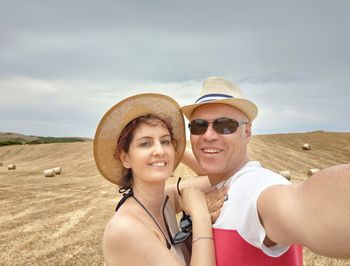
column 231, row 249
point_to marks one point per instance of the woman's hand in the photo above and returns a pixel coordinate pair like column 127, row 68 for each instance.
column 193, row 201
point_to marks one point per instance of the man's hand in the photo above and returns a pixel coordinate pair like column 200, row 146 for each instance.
column 215, row 201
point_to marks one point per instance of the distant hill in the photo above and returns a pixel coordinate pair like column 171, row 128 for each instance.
column 10, row 138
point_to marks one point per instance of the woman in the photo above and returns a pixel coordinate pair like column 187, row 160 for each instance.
column 138, row 143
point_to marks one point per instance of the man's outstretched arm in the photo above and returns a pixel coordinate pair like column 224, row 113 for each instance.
column 314, row 213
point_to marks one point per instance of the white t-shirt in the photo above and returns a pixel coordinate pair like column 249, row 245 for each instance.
column 239, row 212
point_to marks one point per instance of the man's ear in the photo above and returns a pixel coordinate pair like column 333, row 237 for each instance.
column 124, row 158
column 248, row 131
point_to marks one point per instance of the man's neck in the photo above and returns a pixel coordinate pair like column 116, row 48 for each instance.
column 217, row 179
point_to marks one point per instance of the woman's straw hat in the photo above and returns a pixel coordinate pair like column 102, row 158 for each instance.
column 116, row 118
column 220, row 90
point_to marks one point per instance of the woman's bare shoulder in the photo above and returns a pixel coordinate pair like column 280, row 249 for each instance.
column 121, row 238
column 121, row 225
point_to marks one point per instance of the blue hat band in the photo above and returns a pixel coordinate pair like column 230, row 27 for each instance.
column 213, row 97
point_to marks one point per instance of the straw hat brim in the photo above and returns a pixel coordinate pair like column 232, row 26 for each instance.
column 246, row 106
column 116, row 118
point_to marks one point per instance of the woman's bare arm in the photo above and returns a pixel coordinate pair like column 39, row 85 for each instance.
column 194, row 202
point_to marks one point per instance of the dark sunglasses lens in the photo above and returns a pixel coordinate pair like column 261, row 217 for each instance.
column 198, row 126
column 225, row 125
column 181, row 236
column 186, row 223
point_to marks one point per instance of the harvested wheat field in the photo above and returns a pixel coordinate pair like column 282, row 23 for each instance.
column 60, row 220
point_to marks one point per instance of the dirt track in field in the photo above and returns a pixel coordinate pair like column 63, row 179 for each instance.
column 60, row 220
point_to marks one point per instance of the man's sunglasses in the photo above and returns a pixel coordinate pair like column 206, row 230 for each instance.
column 222, row 125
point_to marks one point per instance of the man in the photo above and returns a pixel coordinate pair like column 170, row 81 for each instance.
column 264, row 215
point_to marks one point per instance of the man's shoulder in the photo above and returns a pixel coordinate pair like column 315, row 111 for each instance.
column 253, row 170
column 254, row 167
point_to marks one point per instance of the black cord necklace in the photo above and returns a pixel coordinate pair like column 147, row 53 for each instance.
column 155, row 221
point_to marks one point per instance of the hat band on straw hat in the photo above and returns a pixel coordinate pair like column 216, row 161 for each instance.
column 213, row 97
column 218, row 90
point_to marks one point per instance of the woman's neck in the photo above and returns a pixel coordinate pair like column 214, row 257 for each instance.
column 151, row 195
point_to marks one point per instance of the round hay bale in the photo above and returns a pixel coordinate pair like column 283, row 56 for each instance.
column 312, row 171
column 49, row 173
column 285, row 174
column 306, row 147
column 58, row 170
column 11, row 167
column 104, row 193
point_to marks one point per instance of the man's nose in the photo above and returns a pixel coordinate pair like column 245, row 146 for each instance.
column 210, row 134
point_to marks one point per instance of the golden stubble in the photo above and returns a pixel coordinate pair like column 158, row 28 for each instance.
column 60, row 220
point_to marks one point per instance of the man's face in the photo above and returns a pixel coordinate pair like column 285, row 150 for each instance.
column 220, row 155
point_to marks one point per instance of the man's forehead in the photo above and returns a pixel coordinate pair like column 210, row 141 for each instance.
column 215, row 110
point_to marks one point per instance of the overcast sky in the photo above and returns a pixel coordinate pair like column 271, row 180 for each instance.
column 64, row 63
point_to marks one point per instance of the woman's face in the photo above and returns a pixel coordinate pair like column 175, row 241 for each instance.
column 151, row 153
